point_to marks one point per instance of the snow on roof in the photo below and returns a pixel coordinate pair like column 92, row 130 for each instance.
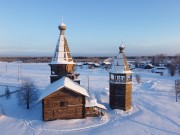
column 62, row 53
column 108, row 60
column 107, row 63
column 149, row 65
column 122, row 45
column 61, row 62
column 64, row 82
column 119, row 64
column 93, row 103
column 62, row 24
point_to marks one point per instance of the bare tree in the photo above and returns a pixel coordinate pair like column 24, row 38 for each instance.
column 160, row 59
column 178, row 62
column 27, row 94
column 7, row 92
column 172, row 69
column 138, row 78
column 138, row 61
column 153, row 60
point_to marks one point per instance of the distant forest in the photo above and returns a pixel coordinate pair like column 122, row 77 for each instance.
column 76, row 59
column 48, row 59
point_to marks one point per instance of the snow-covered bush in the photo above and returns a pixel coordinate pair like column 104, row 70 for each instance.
column 138, row 78
column 177, row 61
column 7, row 92
column 172, row 69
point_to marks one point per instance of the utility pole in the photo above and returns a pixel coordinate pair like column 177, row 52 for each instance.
column 6, row 66
column 18, row 73
column 20, row 68
column 88, row 83
column 176, row 89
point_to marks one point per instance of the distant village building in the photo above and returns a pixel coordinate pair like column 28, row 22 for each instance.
column 120, row 82
column 148, row 66
column 64, row 98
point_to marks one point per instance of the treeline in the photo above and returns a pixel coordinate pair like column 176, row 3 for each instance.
column 48, row 59
column 156, row 59
column 26, row 59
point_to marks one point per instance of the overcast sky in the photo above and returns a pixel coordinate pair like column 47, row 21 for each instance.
column 94, row 27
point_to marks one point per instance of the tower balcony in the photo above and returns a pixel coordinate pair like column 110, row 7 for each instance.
column 120, row 78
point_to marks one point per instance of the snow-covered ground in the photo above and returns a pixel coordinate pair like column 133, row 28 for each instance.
column 154, row 110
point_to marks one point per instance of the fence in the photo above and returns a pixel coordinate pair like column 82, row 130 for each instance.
column 177, row 88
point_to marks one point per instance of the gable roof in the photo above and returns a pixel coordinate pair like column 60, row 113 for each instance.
column 64, row 82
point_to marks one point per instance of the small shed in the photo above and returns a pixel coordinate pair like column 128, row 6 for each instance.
column 148, row 66
column 63, row 99
column 94, row 109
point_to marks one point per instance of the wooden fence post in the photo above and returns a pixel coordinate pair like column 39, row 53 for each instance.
column 176, row 89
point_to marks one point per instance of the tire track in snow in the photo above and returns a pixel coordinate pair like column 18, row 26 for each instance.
column 57, row 131
column 161, row 116
column 147, row 107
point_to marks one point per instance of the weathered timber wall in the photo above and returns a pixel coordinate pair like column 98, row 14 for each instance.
column 93, row 112
column 60, row 70
column 63, row 104
column 120, row 96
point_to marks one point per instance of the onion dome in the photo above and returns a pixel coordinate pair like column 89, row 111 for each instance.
column 62, row 26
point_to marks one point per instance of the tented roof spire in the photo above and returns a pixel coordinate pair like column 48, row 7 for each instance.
column 120, row 64
column 62, row 53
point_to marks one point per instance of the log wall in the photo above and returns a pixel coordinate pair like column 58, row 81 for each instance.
column 94, row 112
column 63, row 104
column 120, row 96
column 60, row 70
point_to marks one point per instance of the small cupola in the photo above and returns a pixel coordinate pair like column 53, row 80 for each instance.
column 121, row 48
column 62, row 26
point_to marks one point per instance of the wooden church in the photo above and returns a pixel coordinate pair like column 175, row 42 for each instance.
column 65, row 98
column 120, row 82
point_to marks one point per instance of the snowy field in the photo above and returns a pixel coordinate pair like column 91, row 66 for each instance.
column 154, row 110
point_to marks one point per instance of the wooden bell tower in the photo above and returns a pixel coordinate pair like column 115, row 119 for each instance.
column 62, row 63
column 120, row 82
